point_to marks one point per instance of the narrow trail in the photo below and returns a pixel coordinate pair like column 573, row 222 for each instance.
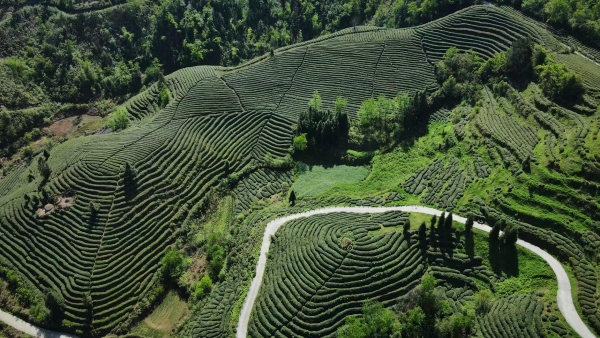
column 563, row 298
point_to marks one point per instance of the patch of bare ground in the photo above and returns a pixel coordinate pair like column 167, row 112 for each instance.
column 67, row 126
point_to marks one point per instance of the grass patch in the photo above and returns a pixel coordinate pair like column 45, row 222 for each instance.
column 163, row 319
column 314, row 180
column 533, row 273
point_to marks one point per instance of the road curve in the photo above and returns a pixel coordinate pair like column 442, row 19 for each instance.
column 563, row 298
column 29, row 329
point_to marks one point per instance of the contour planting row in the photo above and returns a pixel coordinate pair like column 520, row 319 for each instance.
column 130, row 190
column 443, row 185
column 323, row 268
column 260, row 184
column 507, row 131
column 515, row 316
column 484, row 29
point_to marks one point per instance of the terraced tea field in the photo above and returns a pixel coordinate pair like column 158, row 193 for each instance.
column 131, row 191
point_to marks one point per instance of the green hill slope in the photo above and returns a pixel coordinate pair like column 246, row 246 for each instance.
column 133, row 189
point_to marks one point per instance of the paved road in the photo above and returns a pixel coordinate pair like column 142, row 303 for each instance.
column 564, row 298
column 29, row 329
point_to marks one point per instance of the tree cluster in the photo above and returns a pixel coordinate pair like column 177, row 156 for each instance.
column 385, row 121
column 462, row 75
column 426, row 314
column 320, row 128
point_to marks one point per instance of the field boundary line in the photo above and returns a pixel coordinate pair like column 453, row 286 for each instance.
column 564, row 297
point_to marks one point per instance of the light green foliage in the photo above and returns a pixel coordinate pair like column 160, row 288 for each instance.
column 483, row 301
column 202, row 287
column 119, row 119
column 315, row 102
column 376, row 321
column 164, row 97
column 381, row 120
column 340, row 104
column 314, row 180
column 300, row 142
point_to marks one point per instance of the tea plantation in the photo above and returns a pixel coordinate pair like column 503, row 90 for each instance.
column 91, row 220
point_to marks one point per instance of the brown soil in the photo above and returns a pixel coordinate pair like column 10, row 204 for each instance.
column 65, row 202
column 197, row 269
column 65, row 127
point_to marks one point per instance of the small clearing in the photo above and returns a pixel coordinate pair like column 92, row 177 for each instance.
column 314, row 180
column 162, row 320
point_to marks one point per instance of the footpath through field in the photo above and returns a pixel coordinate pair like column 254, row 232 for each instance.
column 564, row 297
column 29, row 329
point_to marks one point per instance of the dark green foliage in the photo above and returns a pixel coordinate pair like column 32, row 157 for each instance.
column 292, row 198
column 510, row 235
column 448, row 222
column 483, row 302
column 172, row 265
column 526, row 165
column 202, row 287
column 558, row 82
column 323, row 127
column 54, row 302
column 406, row 226
column 43, row 168
column 441, row 221
column 469, row 224
column 518, row 60
column 428, row 300
column 433, row 220
column 495, row 232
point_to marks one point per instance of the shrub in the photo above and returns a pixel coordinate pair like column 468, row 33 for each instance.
column 43, row 168
column 483, row 302
column 216, row 258
column 557, row 82
column 202, row 287
column 376, row 321
column 119, row 119
column 406, row 226
column 300, row 142
column 172, row 264
column 164, row 97
column 510, row 235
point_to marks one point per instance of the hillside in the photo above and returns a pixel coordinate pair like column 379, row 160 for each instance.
column 121, row 200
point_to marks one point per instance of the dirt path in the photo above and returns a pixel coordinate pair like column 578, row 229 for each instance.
column 29, row 329
column 564, row 297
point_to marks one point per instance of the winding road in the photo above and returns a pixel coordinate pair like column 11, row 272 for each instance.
column 29, row 329
column 563, row 298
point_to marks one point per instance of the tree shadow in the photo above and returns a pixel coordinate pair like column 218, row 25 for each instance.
column 469, row 244
column 509, row 260
column 495, row 256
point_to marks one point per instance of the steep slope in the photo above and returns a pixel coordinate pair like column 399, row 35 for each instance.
column 133, row 189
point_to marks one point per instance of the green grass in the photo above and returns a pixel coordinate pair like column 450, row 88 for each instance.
column 534, row 274
column 163, row 319
column 314, row 180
